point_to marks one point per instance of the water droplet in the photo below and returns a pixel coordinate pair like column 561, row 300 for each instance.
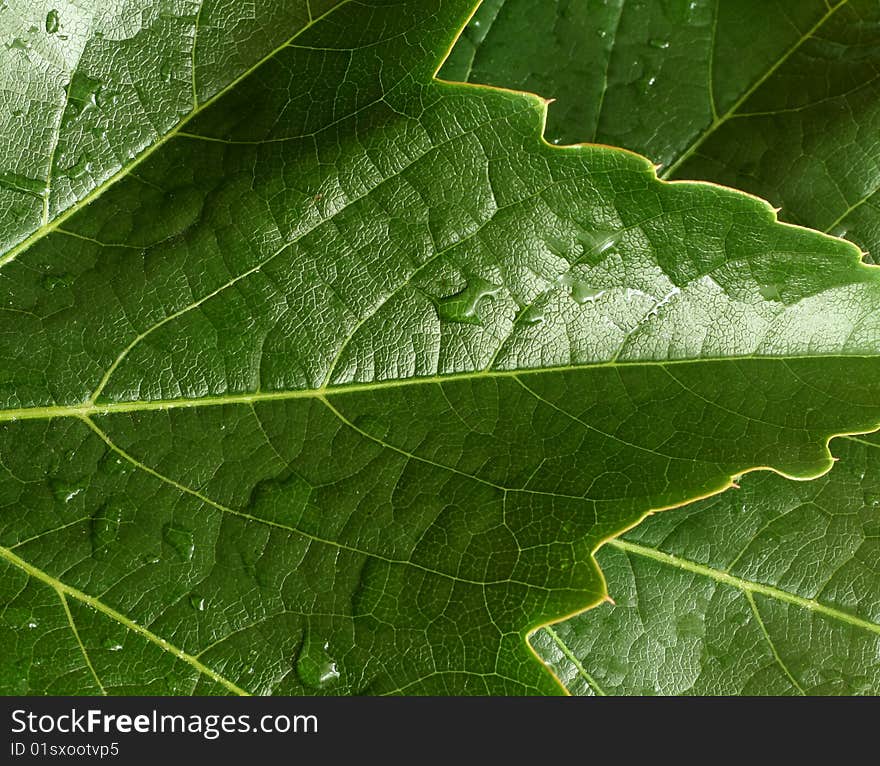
column 19, row 44
column 648, row 82
column 314, row 665
column 197, row 602
column 660, row 44
column 104, row 529
column 32, row 624
column 165, row 71
column 665, row 300
column 281, row 500
column 580, row 291
column 463, row 307
column 531, row 315
column 82, row 94
column 770, row 292
column 111, row 644
column 64, row 491
column 597, row 241
column 180, row 539
column 150, row 558
column 54, row 281
column 52, row 22
column 114, row 464
column 82, row 166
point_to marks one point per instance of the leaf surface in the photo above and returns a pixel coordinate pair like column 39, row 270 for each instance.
column 769, row 590
column 781, row 99
column 336, row 387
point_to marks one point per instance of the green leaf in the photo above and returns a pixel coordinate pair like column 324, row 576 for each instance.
column 771, row 589
column 781, row 99
column 785, row 106
column 336, row 386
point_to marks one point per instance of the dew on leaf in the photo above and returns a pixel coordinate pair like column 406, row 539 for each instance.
column 532, row 315
column 18, row 44
column 770, row 292
column 180, row 540
column 463, row 307
column 82, row 166
column 82, row 94
column 111, row 644
column 65, row 491
column 197, row 602
column 579, row 291
column 52, row 22
column 314, row 665
column 597, row 241
column 54, row 281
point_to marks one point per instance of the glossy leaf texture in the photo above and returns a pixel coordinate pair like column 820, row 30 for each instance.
column 338, row 383
column 771, row 589
column 781, row 98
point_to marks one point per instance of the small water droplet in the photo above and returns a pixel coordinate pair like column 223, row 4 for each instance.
column 314, row 665
column 54, row 281
column 660, row 44
column 180, row 539
column 532, row 315
column 19, row 44
column 64, row 491
column 32, row 624
column 52, row 22
column 82, row 94
column 104, row 529
column 770, row 292
column 580, row 291
column 82, row 166
column 597, row 241
column 111, row 644
column 150, row 558
column 463, row 307
column 647, row 82
column 197, row 602
column 165, row 71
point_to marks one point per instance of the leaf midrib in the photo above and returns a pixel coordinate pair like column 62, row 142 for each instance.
column 123, row 172
column 87, row 408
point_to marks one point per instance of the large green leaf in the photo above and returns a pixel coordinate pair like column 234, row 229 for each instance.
column 336, row 386
column 771, row 589
column 780, row 98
